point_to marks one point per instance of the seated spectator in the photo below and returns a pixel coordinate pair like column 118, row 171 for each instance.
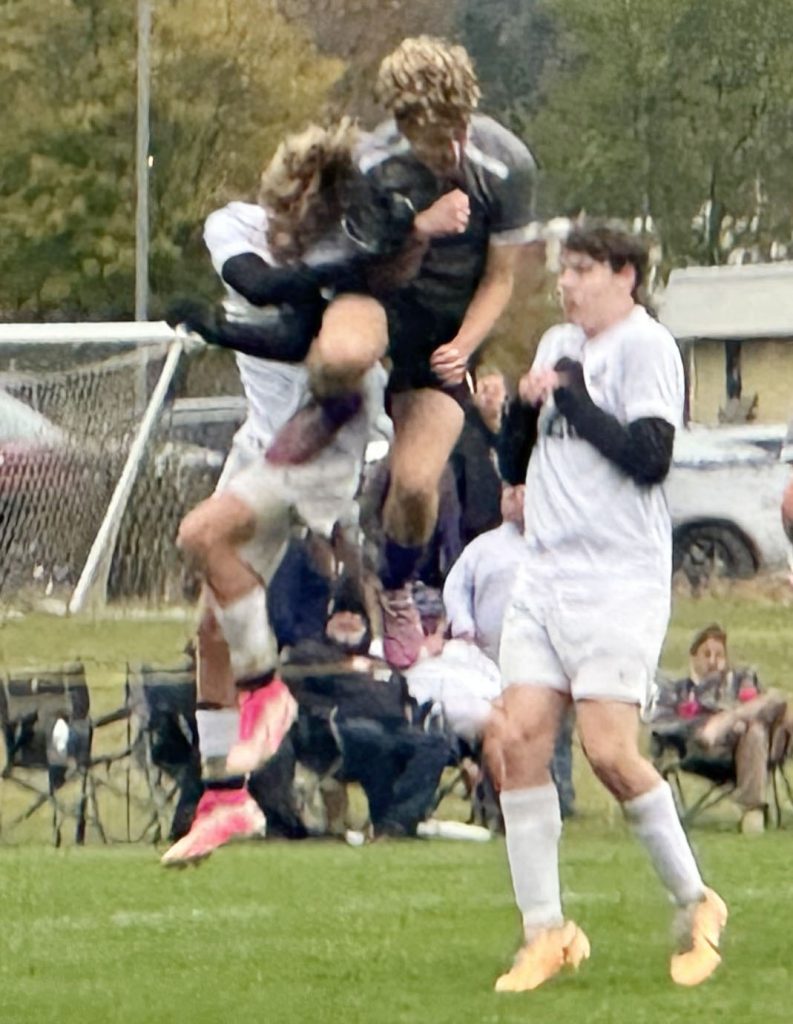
column 460, row 683
column 357, row 723
column 716, row 718
column 458, row 679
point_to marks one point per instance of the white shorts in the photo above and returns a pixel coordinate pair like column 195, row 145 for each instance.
column 590, row 638
column 316, row 495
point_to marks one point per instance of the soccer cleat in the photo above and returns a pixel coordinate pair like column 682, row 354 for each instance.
column 221, row 815
column 548, row 952
column 700, row 957
column 403, row 636
column 266, row 716
column 311, row 429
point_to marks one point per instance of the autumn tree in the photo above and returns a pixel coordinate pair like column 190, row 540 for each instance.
column 672, row 114
column 229, row 77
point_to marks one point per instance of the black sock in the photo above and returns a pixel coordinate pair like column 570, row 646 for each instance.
column 340, row 409
column 256, row 682
column 232, row 782
column 399, row 563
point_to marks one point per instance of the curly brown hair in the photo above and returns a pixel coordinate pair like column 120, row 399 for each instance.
column 301, row 187
column 428, row 80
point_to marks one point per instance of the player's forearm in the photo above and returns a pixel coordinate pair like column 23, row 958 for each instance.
column 286, row 338
column 642, row 449
column 489, row 302
column 263, row 285
column 516, row 439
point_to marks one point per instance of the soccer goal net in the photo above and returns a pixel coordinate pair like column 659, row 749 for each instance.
column 101, row 454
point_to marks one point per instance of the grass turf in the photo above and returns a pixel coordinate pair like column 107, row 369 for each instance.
column 394, row 932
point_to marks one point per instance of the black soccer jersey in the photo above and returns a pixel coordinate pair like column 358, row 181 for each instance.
column 495, row 170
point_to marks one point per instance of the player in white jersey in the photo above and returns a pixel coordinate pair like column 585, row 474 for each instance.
column 590, row 607
column 264, row 253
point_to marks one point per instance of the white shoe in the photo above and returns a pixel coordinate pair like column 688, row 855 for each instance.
column 433, row 828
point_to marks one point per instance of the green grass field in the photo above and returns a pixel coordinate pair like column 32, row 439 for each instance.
column 392, row 932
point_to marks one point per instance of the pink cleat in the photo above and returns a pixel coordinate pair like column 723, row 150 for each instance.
column 221, row 816
column 266, row 716
column 403, row 636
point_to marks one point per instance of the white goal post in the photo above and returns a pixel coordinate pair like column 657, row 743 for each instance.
column 85, row 448
column 91, row 587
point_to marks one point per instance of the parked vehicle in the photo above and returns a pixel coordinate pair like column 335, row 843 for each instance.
column 724, row 492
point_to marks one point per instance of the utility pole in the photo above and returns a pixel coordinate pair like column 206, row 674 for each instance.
column 142, row 163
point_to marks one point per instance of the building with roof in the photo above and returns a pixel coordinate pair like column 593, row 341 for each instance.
column 734, row 325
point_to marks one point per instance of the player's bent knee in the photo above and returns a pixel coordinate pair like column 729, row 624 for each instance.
column 209, row 526
column 516, row 753
column 415, row 496
column 189, row 538
column 622, row 772
column 353, row 336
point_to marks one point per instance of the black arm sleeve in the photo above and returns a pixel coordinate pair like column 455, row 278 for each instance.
column 642, row 449
column 516, row 439
column 263, row 285
column 286, row 339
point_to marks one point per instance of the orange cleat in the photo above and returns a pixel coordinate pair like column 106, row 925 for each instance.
column 700, row 957
column 547, row 953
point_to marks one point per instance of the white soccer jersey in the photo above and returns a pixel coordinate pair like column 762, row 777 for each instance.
column 583, row 515
column 274, row 390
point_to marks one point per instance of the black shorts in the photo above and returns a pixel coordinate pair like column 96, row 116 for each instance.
column 413, row 335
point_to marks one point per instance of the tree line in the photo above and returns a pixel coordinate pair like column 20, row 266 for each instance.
column 672, row 114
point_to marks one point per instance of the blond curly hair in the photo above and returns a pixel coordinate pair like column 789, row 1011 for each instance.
column 301, row 186
column 428, row 80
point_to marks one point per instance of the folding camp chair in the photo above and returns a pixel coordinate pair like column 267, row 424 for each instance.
column 153, row 781
column 44, row 716
column 164, row 744
column 781, row 748
column 669, row 753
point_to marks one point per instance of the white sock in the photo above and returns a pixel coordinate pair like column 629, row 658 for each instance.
column 246, row 630
column 654, row 819
column 533, row 825
column 217, row 731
